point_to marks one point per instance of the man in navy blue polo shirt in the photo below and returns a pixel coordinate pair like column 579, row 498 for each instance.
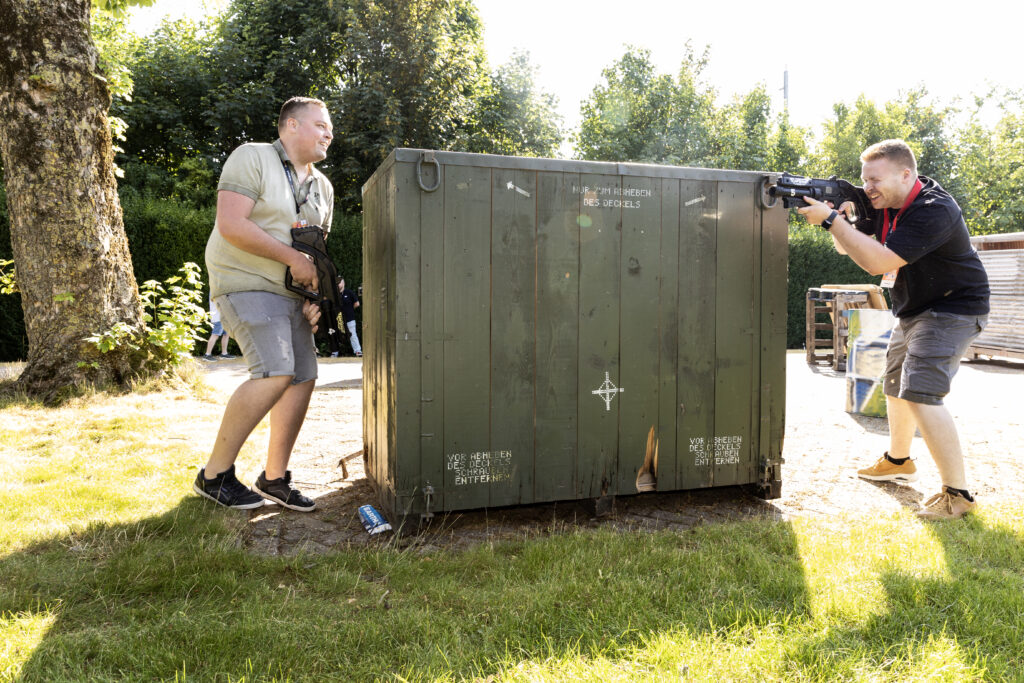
column 918, row 241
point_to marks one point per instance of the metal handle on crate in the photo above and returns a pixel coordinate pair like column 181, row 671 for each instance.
column 430, row 159
column 766, row 183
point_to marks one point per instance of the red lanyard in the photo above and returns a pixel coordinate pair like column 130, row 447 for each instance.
column 910, row 198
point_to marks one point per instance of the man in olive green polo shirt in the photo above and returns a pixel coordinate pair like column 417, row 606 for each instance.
column 264, row 191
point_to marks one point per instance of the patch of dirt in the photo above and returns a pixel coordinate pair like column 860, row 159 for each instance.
column 824, row 446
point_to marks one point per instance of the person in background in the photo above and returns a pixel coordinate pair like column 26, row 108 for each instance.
column 349, row 304
column 217, row 332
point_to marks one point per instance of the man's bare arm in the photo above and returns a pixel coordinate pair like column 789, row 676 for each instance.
column 867, row 253
column 233, row 211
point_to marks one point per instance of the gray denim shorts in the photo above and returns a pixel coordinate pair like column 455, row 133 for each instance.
column 924, row 354
column 275, row 338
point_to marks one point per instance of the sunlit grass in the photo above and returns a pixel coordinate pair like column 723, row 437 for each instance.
column 111, row 569
column 102, row 457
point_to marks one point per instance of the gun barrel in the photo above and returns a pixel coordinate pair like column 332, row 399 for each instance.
column 779, row 191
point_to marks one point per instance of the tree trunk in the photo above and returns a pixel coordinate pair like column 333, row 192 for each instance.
column 67, row 231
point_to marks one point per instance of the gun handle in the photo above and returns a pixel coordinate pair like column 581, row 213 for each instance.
column 290, row 285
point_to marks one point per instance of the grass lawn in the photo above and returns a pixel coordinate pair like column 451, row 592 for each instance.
column 111, row 569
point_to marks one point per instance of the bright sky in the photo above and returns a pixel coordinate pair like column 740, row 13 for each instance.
column 834, row 51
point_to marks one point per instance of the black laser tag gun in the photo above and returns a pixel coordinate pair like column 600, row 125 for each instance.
column 310, row 240
column 793, row 188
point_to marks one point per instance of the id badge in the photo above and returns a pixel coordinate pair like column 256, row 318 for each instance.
column 889, row 279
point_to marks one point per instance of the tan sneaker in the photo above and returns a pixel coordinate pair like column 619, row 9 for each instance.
column 887, row 470
column 945, row 505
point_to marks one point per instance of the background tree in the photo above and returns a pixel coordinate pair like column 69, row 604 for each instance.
column 629, row 116
column 925, row 126
column 409, row 76
column 512, row 116
column 67, row 235
column 394, row 73
column 741, row 130
column 990, row 167
column 264, row 52
column 689, row 138
column 202, row 89
column 173, row 77
column 788, row 146
column 638, row 114
column 13, row 344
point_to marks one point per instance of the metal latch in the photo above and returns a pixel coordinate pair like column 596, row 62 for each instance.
column 428, row 496
column 430, row 159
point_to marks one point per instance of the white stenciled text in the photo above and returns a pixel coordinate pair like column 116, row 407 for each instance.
column 480, row 467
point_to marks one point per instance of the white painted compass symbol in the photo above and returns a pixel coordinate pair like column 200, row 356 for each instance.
column 607, row 391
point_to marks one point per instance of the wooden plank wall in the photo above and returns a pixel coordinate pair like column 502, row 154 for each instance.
column 698, row 291
column 640, row 310
column 513, row 331
column 598, row 337
column 520, row 292
column 467, row 331
column 735, row 303
column 558, row 272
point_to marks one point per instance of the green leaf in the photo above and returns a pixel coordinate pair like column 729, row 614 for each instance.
column 120, row 7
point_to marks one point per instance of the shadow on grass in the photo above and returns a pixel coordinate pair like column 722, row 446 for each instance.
column 179, row 594
column 966, row 617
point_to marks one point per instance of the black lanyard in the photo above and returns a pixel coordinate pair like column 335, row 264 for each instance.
column 298, row 205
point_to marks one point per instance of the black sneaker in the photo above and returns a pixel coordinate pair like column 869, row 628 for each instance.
column 226, row 490
column 281, row 492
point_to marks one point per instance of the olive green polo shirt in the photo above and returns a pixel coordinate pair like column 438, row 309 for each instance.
column 256, row 170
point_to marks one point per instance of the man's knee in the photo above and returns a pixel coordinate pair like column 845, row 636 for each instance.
column 281, row 382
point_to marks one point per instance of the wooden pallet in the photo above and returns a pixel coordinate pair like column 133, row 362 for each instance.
column 830, row 350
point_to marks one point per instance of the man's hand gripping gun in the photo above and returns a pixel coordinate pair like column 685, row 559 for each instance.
column 310, row 240
column 793, row 188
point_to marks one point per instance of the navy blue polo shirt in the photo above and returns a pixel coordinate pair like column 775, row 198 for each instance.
column 943, row 271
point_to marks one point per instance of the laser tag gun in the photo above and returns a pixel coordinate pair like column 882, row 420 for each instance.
column 311, row 240
column 793, row 188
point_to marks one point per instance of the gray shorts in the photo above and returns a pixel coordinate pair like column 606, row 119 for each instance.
column 924, row 354
column 275, row 338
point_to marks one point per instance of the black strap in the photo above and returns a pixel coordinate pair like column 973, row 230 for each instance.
column 291, row 184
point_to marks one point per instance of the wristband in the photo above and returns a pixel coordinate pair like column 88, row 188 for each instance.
column 827, row 223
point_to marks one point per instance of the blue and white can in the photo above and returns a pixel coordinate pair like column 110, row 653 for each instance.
column 373, row 521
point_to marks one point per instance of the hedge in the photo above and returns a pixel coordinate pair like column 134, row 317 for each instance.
column 813, row 262
column 163, row 234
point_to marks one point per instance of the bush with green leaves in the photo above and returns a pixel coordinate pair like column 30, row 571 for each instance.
column 172, row 315
column 8, row 281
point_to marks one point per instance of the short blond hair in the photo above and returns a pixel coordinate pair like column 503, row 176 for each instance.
column 896, row 151
column 293, row 105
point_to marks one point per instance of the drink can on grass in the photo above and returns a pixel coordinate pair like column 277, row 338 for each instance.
column 373, row 521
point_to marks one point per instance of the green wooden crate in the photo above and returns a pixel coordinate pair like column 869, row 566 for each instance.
column 535, row 329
